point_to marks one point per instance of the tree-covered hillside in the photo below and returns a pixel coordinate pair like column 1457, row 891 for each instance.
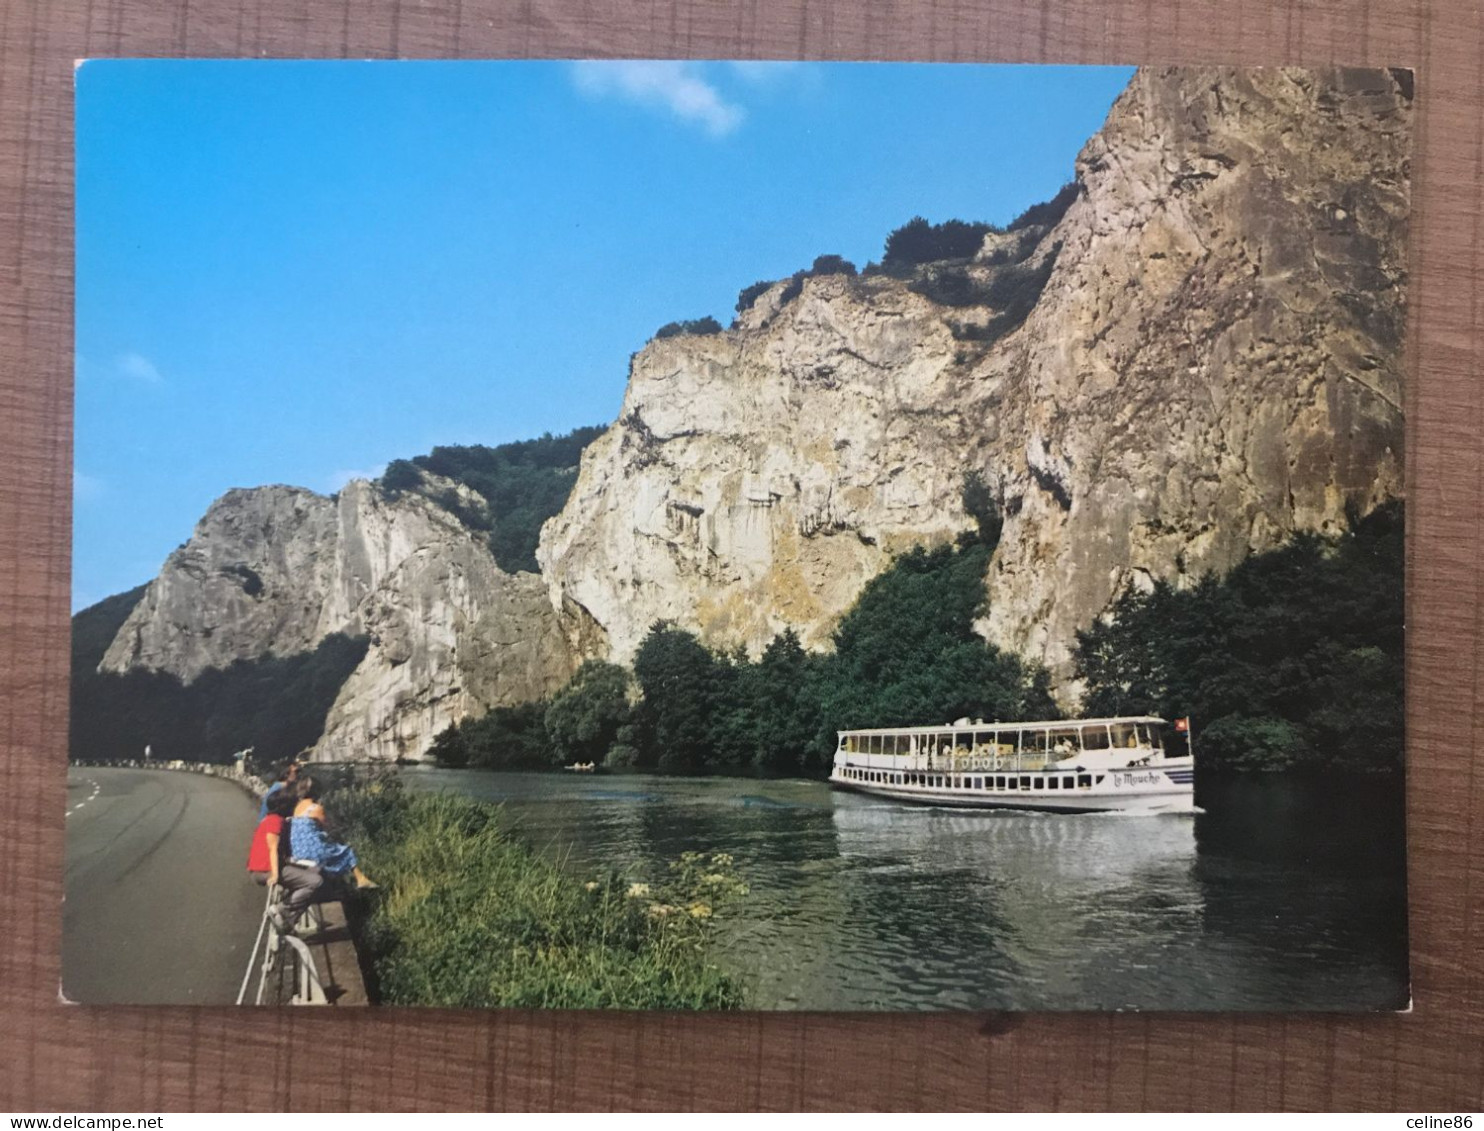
column 1293, row 660
column 524, row 483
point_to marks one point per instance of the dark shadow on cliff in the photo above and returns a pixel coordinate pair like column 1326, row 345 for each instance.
column 275, row 704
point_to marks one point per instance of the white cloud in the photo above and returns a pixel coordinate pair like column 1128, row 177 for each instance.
column 673, row 85
column 139, row 368
column 85, row 488
column 338, row 479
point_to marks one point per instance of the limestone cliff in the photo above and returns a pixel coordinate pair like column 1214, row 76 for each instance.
column 1194, row 354
column 274, row 570
column 1213, row 361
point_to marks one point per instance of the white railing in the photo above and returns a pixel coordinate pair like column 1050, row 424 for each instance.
column 272, row 941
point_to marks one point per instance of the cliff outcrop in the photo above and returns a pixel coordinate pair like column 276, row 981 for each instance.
column 274, row 570
column 1194, row 354
column 1202, row 355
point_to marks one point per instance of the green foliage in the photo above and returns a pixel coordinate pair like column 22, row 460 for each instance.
column 276, row 704
column 1012, row 289
column 523, row 484
column 504, row 738
column 831, row 265
column 906, row 654
column 698, row 326
column 917, row 242
column 823, row 265
column 750, row 294
column 980, row 505
column 786, row 720
column 1293, row 660
column 1048, row 212
column 94, row 628
column 584, row 718
column 682, row 682
column 471, row 917
column 400, row 475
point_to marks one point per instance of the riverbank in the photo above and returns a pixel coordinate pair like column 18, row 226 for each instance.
column 1285, row 893
column 471, row 915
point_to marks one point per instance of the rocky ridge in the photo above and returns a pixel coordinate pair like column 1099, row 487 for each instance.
column 1199, row 356
column 1213, row 363
column 274, row 570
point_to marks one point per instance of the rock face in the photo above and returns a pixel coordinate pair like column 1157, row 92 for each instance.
column 1192, row 356
column 274, row 570
column 1213, row 363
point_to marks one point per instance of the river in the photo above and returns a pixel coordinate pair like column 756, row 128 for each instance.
column 1283, row 895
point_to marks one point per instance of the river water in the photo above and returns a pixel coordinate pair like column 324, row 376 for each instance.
column 1283, row 895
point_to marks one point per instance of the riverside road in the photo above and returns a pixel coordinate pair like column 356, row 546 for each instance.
column 158, row 906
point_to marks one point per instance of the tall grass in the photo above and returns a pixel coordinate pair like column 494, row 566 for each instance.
column 471, row 916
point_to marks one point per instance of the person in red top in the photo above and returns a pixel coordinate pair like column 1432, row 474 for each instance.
column 262, row 856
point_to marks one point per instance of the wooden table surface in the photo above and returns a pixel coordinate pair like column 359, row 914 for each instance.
column 58, row 1058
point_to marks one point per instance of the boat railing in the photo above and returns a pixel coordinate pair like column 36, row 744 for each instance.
column 967, row 761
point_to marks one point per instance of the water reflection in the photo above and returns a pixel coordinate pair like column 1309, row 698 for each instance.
column 1275, row 898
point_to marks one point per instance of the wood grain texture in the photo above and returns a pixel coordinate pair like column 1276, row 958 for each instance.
column 54, row 1057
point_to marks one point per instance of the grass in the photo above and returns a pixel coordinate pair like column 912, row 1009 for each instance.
column 471, row 916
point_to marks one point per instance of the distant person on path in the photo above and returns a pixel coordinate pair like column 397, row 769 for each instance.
column 309, row 843
column 287, row 775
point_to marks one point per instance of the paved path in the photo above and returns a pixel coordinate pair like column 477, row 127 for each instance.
column 159, row 908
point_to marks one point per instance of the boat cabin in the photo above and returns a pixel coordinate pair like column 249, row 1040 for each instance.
column 1012, row 747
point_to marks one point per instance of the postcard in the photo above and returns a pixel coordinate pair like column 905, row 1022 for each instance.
column 694, row 535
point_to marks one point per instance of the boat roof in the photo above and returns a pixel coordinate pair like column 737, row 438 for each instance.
column 1049, row 724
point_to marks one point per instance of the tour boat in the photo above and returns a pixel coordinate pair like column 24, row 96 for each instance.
column 1066, row 766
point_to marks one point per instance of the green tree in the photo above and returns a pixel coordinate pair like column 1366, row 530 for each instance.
column 679, row 679
column 585, row 717
column 786, row 710
column 1292, row 660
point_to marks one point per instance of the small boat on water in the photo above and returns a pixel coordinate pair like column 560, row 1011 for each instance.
column 1065, row 766
column 582, row 768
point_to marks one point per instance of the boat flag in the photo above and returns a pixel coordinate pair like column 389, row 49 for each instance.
column 1183, row 725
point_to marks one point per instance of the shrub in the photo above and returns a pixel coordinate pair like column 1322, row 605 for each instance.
column 917, row 242
column 696, row 326
column 1240, row 742
column 504, row 738
column 751, row 294
column 979, row 504
column 400, row 475
column 585, row 717
column 1047, row 212
column 523, row 484
column 472, row 917
column 831, row 265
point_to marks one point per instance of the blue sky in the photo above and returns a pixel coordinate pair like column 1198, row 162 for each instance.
column 293, row 272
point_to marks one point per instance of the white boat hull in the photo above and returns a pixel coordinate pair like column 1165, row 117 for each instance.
column 1168, row 788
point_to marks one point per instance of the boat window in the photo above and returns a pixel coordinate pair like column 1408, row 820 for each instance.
column 1064, row 742
column 1123, row 735
column 1053, row 783
column 1067, row 781
column 1084, row 781
column 1153, row 737
column 1095, row 738
column 1025, row 783
column 978, row 783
